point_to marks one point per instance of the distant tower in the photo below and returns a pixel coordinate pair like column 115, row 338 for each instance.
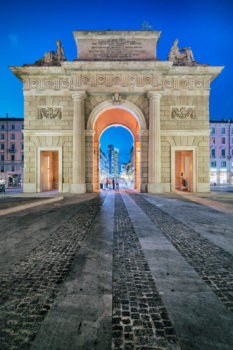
column 113, row 159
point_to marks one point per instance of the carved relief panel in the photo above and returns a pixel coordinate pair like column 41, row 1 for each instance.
column 183, row 112
column 50, row 112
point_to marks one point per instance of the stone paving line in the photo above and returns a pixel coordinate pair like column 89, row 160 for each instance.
column 201, row 320
column 81, row 316
column 140, row 319
column 27, row 294
column 224, row 207
column 31, row 204
column 212, row 263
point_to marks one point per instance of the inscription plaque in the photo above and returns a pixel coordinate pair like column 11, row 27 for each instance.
column 116, row 46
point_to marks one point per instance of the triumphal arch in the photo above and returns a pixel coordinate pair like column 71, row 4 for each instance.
column 116, row 79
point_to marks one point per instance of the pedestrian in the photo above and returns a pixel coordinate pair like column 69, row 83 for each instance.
column 113, row 184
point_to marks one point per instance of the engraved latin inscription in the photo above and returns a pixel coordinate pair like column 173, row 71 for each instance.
column 116, row 49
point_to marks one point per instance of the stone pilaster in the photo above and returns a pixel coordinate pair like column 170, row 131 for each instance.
column 144, row 136
column 78, row 184
column 154, row 162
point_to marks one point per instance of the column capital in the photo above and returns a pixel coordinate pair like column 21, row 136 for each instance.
column 79, row 95
column 155, row 95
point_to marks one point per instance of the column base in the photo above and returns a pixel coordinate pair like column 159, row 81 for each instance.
column 78, row 188
column 155, row 188
column 29, row 187
column 203, row 187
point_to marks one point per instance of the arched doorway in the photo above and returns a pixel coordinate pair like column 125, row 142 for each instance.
column 126, row 114
column 116, row 157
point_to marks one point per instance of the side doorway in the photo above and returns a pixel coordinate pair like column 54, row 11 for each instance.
column 49, row 171
column 183, row 170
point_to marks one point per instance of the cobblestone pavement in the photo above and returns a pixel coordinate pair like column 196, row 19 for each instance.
column 27, row 294
column 71, row 264
column 140, row 319
column 213, row 264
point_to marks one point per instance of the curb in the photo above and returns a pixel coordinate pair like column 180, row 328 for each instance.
column 29, row 205
column 223, row 207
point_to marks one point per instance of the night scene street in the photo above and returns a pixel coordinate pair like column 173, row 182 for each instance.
column 116, row 175
column 117, row 270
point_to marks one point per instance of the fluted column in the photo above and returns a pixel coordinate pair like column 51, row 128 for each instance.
column 154, row 162
column 78, row 183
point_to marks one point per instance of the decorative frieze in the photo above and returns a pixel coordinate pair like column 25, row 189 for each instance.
column 50, row 112
column 183, row 112
column 186, row 83
column 86, row 80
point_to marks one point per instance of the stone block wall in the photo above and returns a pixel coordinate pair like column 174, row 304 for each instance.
column 198, row 120
column 33, row 119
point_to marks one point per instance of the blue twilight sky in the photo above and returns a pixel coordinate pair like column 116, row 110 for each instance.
column 29, row 29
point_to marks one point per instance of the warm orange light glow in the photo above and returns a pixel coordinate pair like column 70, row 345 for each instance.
column 122, row 117
column 116, row 116
column 48, row 170
column 184, row 170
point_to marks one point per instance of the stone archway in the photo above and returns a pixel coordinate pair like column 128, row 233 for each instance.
column 108, row 114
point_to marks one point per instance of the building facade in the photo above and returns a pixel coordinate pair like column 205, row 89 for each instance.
column 113, row 160
column 116, row 79
column 221, row 152
column 103, row 167
column 11, row 151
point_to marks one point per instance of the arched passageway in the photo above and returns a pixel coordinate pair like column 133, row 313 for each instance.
column 116, row 163
column 126, row 115
column 112, row 117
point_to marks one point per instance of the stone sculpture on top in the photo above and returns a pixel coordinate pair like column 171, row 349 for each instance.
column 181, row 56
column 52, row 58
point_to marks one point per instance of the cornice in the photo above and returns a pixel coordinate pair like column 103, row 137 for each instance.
column 185, row 132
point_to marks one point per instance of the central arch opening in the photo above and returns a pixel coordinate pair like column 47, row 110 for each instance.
column 116, row 158
column 116, row 117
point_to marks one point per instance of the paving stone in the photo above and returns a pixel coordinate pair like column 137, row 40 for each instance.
column 131, row 271
column 28, row 293
column 212, row 263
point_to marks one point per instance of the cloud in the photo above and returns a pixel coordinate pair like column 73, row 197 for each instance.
column 14, row 39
